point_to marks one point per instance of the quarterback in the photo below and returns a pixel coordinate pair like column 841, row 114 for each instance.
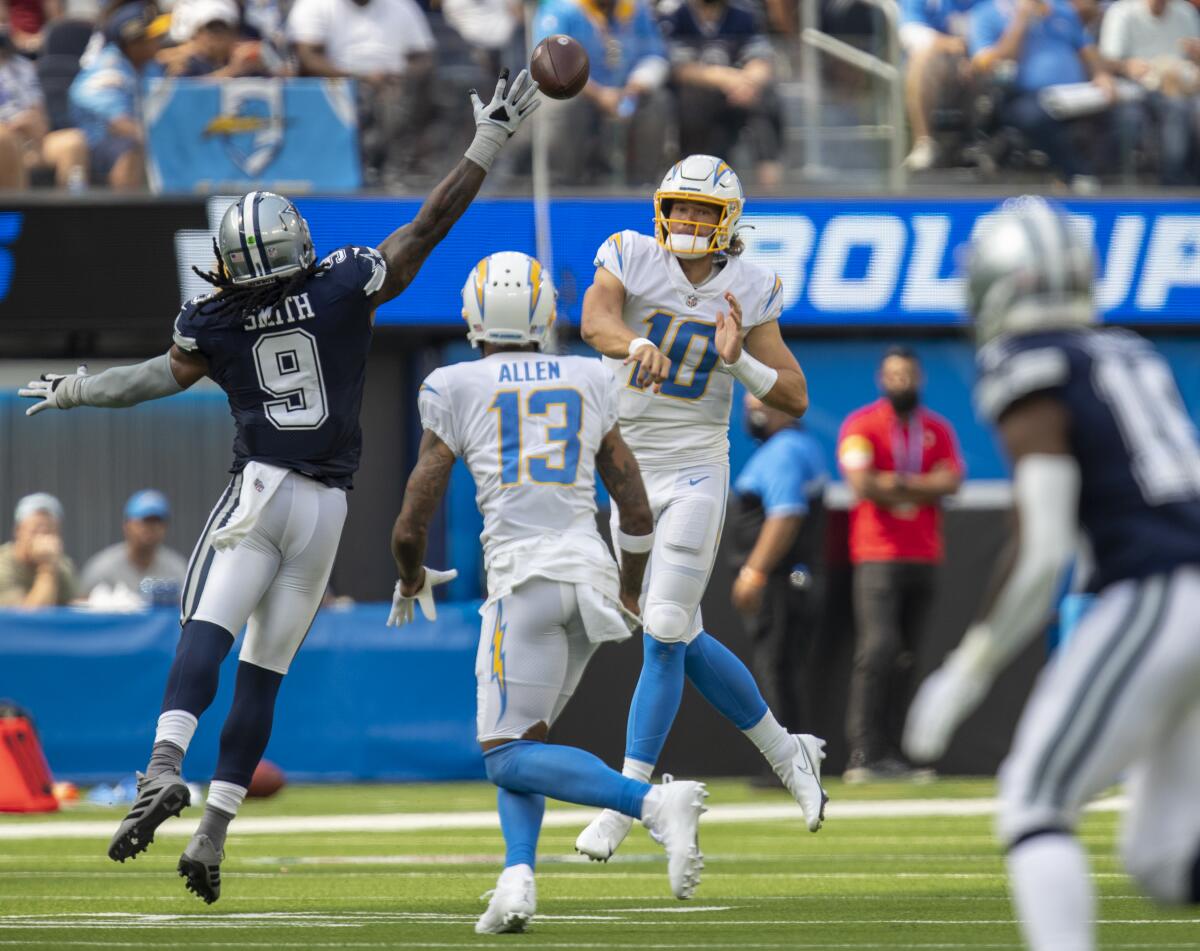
column 286, row 336
column 534, row 429
column 678, row 317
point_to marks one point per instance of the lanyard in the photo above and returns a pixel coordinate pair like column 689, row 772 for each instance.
column 908, row 458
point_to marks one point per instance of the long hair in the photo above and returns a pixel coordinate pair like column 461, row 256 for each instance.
column 237, row 300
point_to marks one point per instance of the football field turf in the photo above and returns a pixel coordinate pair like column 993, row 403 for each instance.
column 366, row 867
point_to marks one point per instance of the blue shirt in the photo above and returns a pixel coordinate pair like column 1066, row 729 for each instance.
column 295, row 378
column 785, row 473
column 935, row 14
column 615, row 45
column 1050, row 51
column 106, row 90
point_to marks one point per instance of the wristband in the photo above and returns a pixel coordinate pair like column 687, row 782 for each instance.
column 637, row 343
column 489, row 139
column 757, row 377
column 635, row 544
column 753, row 575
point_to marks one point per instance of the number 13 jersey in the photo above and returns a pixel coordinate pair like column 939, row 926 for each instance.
column 687, row 423
column 295, row 378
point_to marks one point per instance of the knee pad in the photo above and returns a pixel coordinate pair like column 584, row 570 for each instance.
column 666, row 622
column 1163, row 874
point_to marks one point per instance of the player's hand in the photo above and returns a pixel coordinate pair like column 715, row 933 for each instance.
column 631, row 611
column 654, row 366
column 510, row 105
column 947, row 697
column 729, row 331
column 53, row 391
column 747, row 594
column 45, row 549
column 421, row 592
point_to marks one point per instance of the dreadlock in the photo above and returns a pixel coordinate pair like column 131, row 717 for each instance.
column 236, row 300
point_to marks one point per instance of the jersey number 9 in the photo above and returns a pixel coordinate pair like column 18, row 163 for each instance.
column 289, row 369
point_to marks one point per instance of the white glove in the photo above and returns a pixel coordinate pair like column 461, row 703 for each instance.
column 402, row 606
column 947, row 697
column 54, row 391
column 499, row 119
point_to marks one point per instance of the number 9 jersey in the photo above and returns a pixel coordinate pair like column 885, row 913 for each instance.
column 294, row 378
column 687, row 423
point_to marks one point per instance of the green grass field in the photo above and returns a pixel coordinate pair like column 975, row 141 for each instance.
column 865, row 881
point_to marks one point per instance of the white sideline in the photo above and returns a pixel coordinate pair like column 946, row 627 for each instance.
column 555, row 818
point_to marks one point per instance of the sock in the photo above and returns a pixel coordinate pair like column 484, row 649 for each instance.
column 564, row 773
column 224, row 800
column 636, row 769
column 192, row 681
column 521, row 822
column 1052, row 892
column 724, row 681
column 655, row 701
column 165, row 757
column 248, row 726
column 775, row 743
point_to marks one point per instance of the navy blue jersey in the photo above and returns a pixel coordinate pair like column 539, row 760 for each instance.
column 295, row 378
column 1138, row 452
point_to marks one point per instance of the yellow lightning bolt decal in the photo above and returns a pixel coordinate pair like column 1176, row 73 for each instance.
column 498, row 657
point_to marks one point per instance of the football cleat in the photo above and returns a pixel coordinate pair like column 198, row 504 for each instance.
column 603, row 835
column 158, row 798
column 200, row 864
column 512, row 904
column 672, row 814
column 802, row 777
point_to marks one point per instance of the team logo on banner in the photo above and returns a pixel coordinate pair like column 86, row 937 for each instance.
column 251, row 123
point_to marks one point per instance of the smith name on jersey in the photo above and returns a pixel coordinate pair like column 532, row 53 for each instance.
column 687, row 423
column 1137, row 450
column 294, row 378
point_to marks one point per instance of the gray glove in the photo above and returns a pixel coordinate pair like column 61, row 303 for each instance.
column 54, row 391
column 499, row 119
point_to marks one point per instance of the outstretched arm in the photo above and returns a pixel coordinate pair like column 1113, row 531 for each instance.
column 118, row 387
column 423, row 494
column 406, row 249
column 619, row 470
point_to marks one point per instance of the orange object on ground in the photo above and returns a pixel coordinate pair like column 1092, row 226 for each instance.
column 25, row 781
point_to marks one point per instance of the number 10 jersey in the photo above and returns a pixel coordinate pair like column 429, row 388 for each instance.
column 294, row 378
column 687, row 423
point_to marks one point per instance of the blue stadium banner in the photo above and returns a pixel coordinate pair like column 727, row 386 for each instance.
column 292, row 135
column 844, row 262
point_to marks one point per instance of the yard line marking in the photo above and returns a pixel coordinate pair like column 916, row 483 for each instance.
column 558, row 818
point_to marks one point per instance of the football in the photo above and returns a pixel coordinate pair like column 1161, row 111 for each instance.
column 560, row 66
column 267, row 780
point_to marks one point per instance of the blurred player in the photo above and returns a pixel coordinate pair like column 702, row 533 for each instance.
column 286, row 337
column 534, row 430
column 1099, row 440
column 687, row 290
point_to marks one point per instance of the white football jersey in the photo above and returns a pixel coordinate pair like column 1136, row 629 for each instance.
column 687, row 423
column 528, row 426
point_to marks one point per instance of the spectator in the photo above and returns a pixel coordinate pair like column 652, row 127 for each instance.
column 492, row 29
column 106, row 97
column 625, row 89
column 28, row 19
column 34, row 572
column 209, row 43
column 778, row 533
column 141, row 565
column 1156, row 44
column 933, row 37
column 900, row 461
column 385, row 44
column 1046, row 40
column 25, row 140
column 722, row 65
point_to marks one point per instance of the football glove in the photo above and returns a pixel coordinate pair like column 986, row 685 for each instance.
column 510, row 104
column 402, row 606
column 53, row 391
column 947, row 697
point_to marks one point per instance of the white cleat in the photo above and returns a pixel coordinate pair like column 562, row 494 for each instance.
column 672, row 814
column 802, row 776
column 512, row 904
column 603, row 835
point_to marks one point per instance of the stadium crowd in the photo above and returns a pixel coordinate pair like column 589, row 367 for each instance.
column 1066, row 89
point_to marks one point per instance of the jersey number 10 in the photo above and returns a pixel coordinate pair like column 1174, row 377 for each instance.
column 692, row 338
column 507, row 406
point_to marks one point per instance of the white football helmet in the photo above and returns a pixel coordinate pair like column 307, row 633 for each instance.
column 509, row 298
column 703, row 178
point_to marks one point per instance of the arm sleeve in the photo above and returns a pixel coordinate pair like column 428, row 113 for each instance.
column 437, row 416
column 1080, row 38
column 612, row 255
column 985, row 30
column 1006, row 378
column 772, row 308
column 186, row 336
column 784, row 489
column 650, row 41
column 104, row 93
column 370, row 269
column 856, row 451
column 1113, row 35
column 946, row 448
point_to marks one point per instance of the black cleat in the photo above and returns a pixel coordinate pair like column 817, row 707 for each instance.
column 200, row 865
column 159, row 797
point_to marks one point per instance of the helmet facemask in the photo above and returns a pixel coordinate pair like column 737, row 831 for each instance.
column 693, row 239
